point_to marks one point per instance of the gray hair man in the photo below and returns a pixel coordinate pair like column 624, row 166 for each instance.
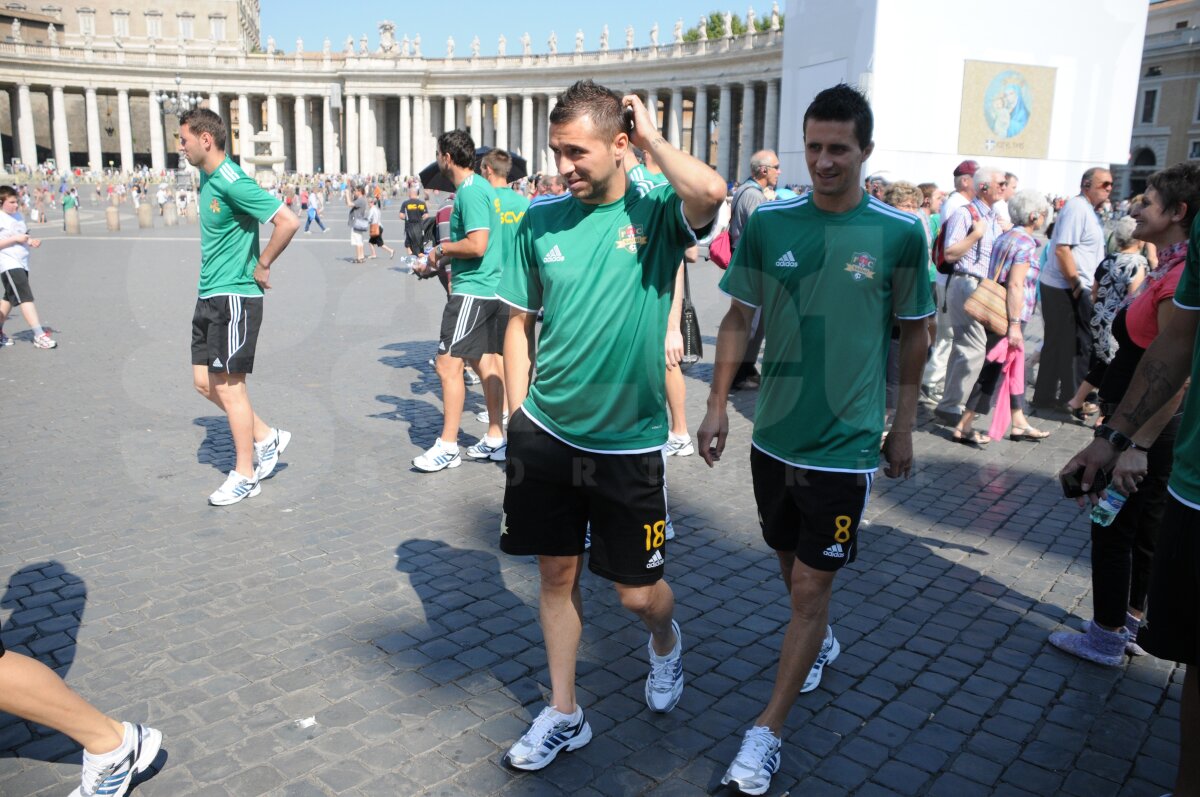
column 970, row 232
column 1077, row 247
column 764, row 176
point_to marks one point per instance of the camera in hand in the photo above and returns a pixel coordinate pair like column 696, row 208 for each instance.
column 1072, row 483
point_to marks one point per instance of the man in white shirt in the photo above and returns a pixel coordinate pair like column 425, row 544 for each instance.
column 935, row 368
column 1077, row 248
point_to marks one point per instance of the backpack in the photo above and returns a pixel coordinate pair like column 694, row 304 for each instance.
column 939, row 243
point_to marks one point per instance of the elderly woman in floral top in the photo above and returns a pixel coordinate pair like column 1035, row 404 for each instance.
column 1015, row 266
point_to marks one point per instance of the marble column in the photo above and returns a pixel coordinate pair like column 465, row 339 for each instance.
column 652, row 107
column 476, row 120
column 421, row 129
column 540, row 129
column 771, row 117
column 700, row 124
column 527, row 129
column 746, row 145
column 489, row 123
column 329, row 158
column 125, row 130
column 502, row 122
column 551, row 103
column 428, row 140
column 62, row 145
column 675, row 118
column 27, row 138
column 304, row 137
column 405, row 165
column 461, row 119
column 95, row 151
column 158, row 153
column 351, row 138
column 725, row 132
column 245, row 134
column 275, row 125
column 366, row 135
column 449, row 117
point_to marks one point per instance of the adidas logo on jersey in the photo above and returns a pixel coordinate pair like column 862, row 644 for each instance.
column 555, row 255
column 835, row 551
column 655, row 561
column 787, row 261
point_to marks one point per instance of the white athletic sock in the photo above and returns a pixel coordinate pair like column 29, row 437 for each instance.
column 493, row 441
column 37, row 331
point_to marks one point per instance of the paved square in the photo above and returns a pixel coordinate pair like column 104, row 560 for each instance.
column 354, row 630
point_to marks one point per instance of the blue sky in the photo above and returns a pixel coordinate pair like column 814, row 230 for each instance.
column 312, row 20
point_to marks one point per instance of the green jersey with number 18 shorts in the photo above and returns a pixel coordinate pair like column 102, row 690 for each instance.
column 604, row 275
column 468, row 320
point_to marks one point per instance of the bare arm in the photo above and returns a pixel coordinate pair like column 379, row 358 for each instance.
column 1015, row 303
column 897, row 449
column 731, row 346
column 955, row 251
column 700, row 187
column 283, row 228
column 518, row 356
column 474, row 245
column 1066, row 265
column 674, row 319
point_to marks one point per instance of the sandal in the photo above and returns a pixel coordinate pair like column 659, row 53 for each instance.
column 975, row 439
column 1027, row 433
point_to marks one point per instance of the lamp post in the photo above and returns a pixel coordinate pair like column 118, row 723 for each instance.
column 179, row 102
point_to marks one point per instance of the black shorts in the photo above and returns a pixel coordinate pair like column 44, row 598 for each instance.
column 16, row 286
column 225, row 333
column 468, row 329
column 814, row 513
column 500, row 321
column 412, row 237
column 553, row 490
column 377, row 240
column 1172, row 631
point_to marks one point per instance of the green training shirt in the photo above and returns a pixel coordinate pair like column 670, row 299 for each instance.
column 1185, row 475
column 232, row 206
column 605, row 275
column 828, row 284
column 511, row 206
column 475, row 208
column 645, row 180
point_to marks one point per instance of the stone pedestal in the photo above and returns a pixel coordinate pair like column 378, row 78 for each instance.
column 171, row 214
column 113, row 217
column 145, row 216
column 191, row 214
column 71, row 221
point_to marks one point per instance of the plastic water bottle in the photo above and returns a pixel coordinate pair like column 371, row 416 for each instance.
column 408, row 263
column 1106, row 511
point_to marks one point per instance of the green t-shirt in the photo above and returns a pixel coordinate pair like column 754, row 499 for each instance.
column 69, row 202
column 231, row 206
column 1185, row 474
column 475, row 208
column 605, row 275
column 511, row 207
column 828, row 285
column 645, row 180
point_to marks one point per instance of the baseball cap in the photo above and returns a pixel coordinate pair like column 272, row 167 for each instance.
column 966, row 167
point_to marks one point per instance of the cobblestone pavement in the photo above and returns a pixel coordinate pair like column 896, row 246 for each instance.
column 374, row 600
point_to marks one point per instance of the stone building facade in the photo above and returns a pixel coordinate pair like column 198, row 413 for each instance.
column 361, row 107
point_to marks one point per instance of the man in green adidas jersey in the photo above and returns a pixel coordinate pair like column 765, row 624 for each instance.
column 233, row 276
column 585, row 439
column 476, row 251
column 829, row 270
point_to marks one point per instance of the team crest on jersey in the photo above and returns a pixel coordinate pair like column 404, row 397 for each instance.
column 630, row 237
column 862, row 266
column 215, row 207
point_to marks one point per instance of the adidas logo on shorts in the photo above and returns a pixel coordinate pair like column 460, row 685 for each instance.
column 555, row 255
column 835, row 551
column 217, row 363
column 787, row 261
column 655, row 561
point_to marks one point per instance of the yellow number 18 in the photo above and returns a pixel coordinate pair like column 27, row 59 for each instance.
column 656, row 535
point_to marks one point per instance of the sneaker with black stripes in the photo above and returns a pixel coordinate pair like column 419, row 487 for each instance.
column 551, row 732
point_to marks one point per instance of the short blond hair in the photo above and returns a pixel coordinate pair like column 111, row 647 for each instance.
column 900, row 192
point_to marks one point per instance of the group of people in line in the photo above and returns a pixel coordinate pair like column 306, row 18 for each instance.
column 842, row 286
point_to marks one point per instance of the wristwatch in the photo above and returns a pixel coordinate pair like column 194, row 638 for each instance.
column 1117, row 440
column 440, row 250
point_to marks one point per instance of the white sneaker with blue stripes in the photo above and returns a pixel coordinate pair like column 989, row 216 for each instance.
column 757, row 760
column 551, row 732
column 235, row 488
column 110, row 774
column 439, row 457
column 830, row 649
column 267, row 452
column 664, row 685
